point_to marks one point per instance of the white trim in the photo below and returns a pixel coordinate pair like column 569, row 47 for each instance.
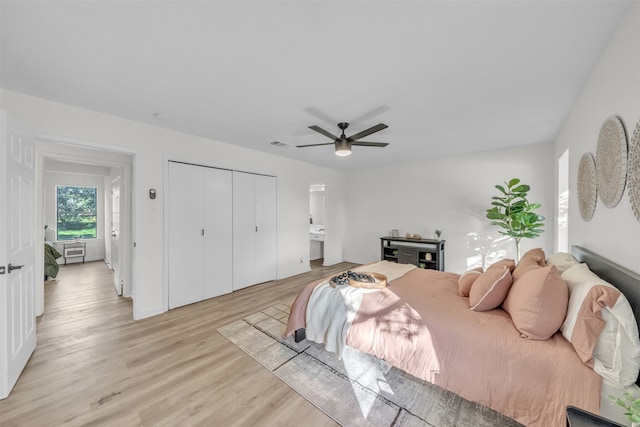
column 143, row 314
column 45, row 137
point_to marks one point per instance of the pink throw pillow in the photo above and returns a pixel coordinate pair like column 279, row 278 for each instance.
column 490, row 289
column 507, row 262
column 537, row 303
column 531, row 260
column 466, row 280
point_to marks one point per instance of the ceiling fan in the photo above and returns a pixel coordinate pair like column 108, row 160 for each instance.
column 343, row 143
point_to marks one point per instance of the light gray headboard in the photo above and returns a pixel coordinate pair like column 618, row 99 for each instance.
column 624, row 279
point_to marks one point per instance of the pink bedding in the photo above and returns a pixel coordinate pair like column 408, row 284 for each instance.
column 420, row 325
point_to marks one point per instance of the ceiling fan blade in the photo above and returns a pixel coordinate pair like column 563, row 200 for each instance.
column 324, row 132
column 370, row 144
column 366, row 132
column 314, row 145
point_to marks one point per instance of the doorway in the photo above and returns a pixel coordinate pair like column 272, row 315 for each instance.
column 64, row 163
column 317, row 224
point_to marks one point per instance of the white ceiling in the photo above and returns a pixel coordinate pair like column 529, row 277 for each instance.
column 448, row 77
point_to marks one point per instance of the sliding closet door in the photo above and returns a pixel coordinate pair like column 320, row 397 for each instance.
column 244, row 229
column 254, row 229
column 185, row 234
column 218, row 233
column 266, row 228
column 200, row 233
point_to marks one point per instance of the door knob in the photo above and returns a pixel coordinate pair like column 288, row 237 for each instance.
column 14, row 267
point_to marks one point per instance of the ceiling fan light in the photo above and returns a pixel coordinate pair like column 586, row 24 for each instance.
column 343, row 148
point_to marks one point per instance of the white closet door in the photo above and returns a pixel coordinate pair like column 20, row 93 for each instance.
column 244, row 230
column 185, row 234
column 266, row 215
column 218, row 232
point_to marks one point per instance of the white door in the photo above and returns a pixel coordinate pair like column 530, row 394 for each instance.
column 17, row 253
column 266, row 216
column 244, row 230
column 254, row 229
column 115, row 234
column 218, row 232
column 185, row 234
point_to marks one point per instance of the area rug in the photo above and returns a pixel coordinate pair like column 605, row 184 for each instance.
column 360, row 389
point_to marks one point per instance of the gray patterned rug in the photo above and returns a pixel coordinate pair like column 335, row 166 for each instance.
column 359, row 390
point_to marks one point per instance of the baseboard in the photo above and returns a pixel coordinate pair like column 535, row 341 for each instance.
column 143, row 314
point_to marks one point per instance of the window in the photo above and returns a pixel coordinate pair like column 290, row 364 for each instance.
column 563, row 203
column 76, row 212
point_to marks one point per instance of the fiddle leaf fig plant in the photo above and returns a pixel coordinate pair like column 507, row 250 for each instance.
column 515, row 214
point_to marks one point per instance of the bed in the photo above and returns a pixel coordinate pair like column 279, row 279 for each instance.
column 478, row 355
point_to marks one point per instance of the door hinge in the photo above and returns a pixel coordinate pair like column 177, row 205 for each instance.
column 2, row 269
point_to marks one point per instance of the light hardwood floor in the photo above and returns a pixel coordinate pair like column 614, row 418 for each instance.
column 94, row 365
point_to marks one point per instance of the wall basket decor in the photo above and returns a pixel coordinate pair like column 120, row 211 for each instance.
column 587, row 186
column 634, row 172
column 611, row 161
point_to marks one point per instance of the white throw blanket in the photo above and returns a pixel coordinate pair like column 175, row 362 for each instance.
column 330, row 311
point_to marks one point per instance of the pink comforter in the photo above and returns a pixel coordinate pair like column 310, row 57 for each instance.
column 420, row 325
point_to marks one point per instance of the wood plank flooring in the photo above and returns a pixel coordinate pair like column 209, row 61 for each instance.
column 94, row 365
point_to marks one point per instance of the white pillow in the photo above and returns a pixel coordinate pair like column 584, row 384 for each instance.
column 562, row 261
column 608, row 341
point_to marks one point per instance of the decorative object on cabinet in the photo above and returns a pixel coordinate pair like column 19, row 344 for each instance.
column 423, row 253
column 513, row 212
column 587, row 186
column 437, row 233
column 634, row 172
column 611, row 161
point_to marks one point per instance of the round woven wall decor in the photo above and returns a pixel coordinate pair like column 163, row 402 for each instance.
column 634, row 172
column 611, row 161
column 587, row 186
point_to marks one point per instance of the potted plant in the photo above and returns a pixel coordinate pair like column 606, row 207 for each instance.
column 512, row 211
column 437, row 234
column 631, row 406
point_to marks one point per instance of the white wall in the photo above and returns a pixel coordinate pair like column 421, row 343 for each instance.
column 151, row 146
column 451, row 194
column 613, row 89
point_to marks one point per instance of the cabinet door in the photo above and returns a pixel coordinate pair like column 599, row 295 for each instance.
column 244, row 229
column 266, row 215
column 218, row 233
column 185, row 234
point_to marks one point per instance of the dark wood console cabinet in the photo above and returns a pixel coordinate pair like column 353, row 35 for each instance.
column 424, row 253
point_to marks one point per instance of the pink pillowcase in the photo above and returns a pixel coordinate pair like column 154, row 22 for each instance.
column 490, row 289
column 531, row 260
column 537, row 303
column 507, row 262
column 466, row 280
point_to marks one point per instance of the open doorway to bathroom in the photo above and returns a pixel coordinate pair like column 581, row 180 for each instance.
column 316, row 224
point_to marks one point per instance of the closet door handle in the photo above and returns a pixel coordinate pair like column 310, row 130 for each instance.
column 202, row 232
column 256, row 228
